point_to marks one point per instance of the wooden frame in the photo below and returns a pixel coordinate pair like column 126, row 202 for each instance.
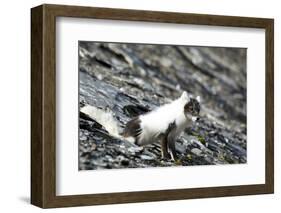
column 43, row 98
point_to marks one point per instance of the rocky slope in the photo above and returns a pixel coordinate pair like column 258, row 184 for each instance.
column 125, row 80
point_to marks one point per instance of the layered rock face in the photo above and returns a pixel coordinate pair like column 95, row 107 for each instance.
column 121, row 81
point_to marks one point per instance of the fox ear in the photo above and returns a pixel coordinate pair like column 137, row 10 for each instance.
column 198, row 99
column 185, row 96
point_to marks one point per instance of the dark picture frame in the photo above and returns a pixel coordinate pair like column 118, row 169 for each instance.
column 43, row 105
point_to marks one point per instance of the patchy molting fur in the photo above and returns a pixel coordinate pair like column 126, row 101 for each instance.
column 165, row 122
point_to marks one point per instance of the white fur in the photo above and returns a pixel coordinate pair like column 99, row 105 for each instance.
column 157, row 121
column 152, row 123
column 193, row 118
column 104, row 117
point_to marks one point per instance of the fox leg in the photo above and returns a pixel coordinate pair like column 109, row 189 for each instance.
column 164, row 147
column 171, row 140
column 168, row 142
column 172, row 147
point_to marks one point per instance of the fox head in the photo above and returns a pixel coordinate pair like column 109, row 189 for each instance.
column 192, row 105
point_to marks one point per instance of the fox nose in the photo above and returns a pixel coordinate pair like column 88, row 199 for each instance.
column 197, row 119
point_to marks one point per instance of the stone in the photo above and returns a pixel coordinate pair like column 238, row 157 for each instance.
column 126, row 80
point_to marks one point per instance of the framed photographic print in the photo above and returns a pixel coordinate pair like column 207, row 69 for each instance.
column 136, row 106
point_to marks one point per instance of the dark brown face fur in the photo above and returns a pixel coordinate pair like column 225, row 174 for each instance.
column 133, row 129
column 192, row 107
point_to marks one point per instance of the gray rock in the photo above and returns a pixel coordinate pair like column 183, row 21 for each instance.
column 196, row 151
column 146, row 157
column 129, row 80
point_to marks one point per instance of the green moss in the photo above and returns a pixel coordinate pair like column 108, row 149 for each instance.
column 189, row 157
column 178, row 162
column 199, row 137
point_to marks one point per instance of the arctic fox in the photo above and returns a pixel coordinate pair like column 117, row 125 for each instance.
column 164, row 124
